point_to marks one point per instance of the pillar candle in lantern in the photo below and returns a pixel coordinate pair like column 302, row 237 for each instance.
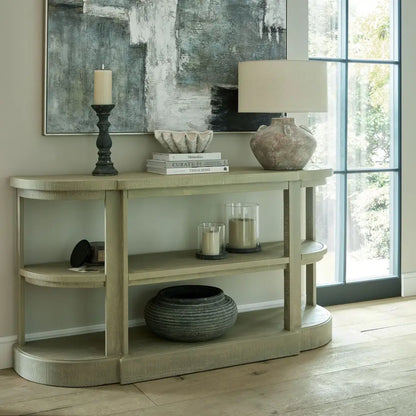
column 103, row 86
column 242, row 233
column 211, row 242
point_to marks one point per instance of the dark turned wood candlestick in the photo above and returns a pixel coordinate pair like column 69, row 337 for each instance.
column 104, row 165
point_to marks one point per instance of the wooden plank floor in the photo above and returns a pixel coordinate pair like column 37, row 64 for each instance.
column 368, row 369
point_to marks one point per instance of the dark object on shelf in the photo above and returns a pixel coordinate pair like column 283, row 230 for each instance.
column 104, row 166
column 190, row 313
column 80, row 254
column 85, row 252
column 243, row 250
column 222, row 255
column 97, row 252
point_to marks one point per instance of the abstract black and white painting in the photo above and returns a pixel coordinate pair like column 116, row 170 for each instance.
column 174, row 62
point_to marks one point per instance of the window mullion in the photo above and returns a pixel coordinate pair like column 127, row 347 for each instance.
column 343, row 149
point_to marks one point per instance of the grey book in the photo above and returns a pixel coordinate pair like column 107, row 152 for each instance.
column 187, row 171
column 186, row 156
column 186, row 163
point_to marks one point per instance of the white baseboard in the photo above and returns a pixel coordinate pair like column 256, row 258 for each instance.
column 6, row 343
column 409, row 284
column 76, row 331
column 261, row 305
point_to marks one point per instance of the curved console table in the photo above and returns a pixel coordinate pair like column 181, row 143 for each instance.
column 128, row 355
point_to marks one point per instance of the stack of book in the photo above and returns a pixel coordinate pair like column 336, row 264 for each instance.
column 187, row 163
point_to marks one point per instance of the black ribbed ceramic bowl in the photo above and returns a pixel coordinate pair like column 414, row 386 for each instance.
column 190, row 313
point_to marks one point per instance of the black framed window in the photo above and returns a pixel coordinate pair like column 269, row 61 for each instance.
column 358, row 212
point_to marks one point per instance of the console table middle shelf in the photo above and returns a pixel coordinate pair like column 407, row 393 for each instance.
column 172, row 266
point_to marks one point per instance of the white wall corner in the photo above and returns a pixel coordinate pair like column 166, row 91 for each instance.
column 297, row 41
column 297, row 29
column 409, row 284
column 6, row 351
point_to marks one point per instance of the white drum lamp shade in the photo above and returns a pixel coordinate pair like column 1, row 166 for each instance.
column 281, row 87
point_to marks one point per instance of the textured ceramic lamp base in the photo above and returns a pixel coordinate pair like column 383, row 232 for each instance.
column 283, row 145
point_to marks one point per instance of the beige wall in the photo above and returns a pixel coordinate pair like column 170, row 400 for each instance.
column 52, row 228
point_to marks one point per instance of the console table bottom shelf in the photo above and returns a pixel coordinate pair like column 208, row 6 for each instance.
column 79, row 361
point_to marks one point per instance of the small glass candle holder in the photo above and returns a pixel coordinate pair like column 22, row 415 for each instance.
column 243, row 227
column 211, row 241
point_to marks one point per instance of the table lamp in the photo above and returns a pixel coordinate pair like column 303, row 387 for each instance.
column 281, row 86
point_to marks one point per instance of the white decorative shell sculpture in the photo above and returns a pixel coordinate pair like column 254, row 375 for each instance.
column 184, row 141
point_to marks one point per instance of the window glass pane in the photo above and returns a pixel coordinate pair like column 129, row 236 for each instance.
column 370, row 127
column 326, row 126
column 369, row 226
column 324, row 28
column 370, row 29
column 327, row 230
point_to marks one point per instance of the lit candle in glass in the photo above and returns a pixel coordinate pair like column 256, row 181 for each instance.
column 211, row 241
column 103, row 85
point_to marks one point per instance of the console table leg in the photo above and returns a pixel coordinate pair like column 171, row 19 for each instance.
column 21, row 281
column 292, row 249
column 310, row 235
column 116, row 315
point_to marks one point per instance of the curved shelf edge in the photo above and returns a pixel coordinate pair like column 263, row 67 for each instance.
column 64, row 183
column 312, row 251
column 58, row 275
column 66, row 373
column 61, row 195
column 316, row 328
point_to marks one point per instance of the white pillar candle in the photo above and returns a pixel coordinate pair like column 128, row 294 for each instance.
column 242, row 233
column 103, row 87
column 210, row 242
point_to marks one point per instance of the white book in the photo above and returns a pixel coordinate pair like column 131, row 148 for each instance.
column 186, row 163
column 187, row 171
column 186, row 156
